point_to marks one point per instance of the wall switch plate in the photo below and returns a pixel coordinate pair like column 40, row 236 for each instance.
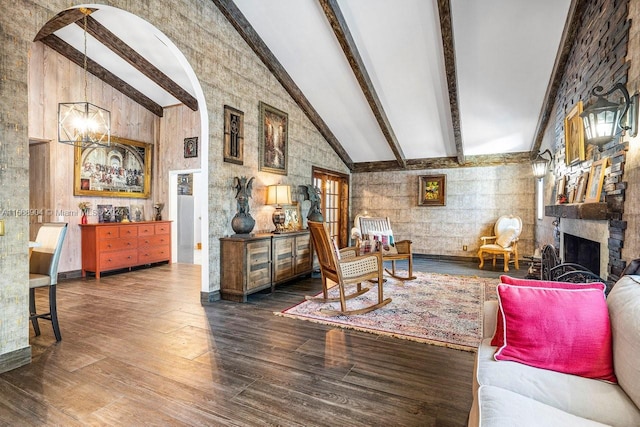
column 464, row 247
column 1, row 227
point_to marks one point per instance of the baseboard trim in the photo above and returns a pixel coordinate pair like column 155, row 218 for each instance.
column 208, row 298
column 15, row 359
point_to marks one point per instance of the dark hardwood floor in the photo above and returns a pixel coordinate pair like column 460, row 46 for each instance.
column 138, row 348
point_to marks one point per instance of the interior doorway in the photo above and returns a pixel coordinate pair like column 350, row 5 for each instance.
column 185, row 208
column 334, row 191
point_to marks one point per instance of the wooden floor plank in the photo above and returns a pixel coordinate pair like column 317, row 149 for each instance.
column 139, row 348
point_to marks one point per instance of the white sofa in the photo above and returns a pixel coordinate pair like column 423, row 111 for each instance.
column 511, row 394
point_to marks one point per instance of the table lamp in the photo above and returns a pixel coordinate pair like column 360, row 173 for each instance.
column 278, row 195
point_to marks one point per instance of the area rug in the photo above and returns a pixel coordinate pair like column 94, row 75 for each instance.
column 434, row 308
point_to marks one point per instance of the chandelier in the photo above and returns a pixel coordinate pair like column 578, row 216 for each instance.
column 83, row 124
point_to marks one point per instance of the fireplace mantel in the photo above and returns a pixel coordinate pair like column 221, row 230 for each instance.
column 596, row 211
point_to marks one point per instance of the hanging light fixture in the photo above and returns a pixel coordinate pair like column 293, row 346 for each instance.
column 604, row 120
column 83, row 124
column 539, row 165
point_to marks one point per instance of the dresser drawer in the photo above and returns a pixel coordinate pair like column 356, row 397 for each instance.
column 154, row 254
column 118, row 244
column 113, row 260
column 128, row 231
column 160, row 240
column 163, row 228
column 108, row 232
column 146, row 230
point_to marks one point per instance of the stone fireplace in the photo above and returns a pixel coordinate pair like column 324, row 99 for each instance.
column 590, row 234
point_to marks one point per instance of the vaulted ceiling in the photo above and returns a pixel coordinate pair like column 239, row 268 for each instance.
column 391, row 84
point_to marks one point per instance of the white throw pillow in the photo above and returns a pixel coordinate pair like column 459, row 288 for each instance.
column 507, row 237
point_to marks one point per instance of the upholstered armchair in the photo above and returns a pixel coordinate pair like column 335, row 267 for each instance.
column 504, row 241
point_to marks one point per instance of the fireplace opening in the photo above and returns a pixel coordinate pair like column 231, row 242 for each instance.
column 582, row 251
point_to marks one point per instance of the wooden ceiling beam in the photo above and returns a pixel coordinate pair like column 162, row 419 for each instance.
column 343, row 34
column 448, row 47
column 249, row 34
column 140, row 63
column 444, row 162
column 61, row 20
column 77, row 57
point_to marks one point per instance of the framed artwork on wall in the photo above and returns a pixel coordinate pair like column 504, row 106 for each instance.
column 233, row 135
column 191, row 147
column 431, row 190
column 122, row 169
column 596, row 178
column 574, row 135
column 274, row 143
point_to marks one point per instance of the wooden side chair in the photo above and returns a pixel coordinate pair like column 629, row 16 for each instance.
column 345, row 268
column 504, row 241
column 367, row 229
column 43, row 271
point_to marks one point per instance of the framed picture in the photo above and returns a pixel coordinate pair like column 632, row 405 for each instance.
column 273, row 139
column 233, row 135
column 105, row 213
column 121, row 170
column 574, row 135
column 581, row 187
column 121, row 213
column 292, row 219
column 561, row 190
column 596, row 178
column 136, row 212
column 431, row 190
column 191, row 147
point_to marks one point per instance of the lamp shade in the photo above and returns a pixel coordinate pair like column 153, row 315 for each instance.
column 278, row 195
column 601, row 122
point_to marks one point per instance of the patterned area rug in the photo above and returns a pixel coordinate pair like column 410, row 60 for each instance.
column 434, row 308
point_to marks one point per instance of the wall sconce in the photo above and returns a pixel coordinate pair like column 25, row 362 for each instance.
column 539, row 165
column 278, row 195
column 603, row 120
column 83, row 124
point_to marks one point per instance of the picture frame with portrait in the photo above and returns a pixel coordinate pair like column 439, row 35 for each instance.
column 596, row 178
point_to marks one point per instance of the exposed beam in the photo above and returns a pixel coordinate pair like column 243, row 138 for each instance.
column 569, row 35
column 246, row 31
column 343, row 34
column 446, row 29
column 77, row 57
column 140, row 63
column 61, row 20
column 444, row 162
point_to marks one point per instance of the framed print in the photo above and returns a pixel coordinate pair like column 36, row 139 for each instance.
column 431, row 190
column 191, row 147
column 581, row 187
column 292, row 219
column 574, row 135
column 121, row 214
column 596, row 178
column 561, row 190
column 105, row 213
column 233, row 135
column 136, row 212
column 122, row 169
column 273, row 139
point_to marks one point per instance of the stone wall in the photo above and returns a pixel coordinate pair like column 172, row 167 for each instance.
column 475, row 198
column 228, row 72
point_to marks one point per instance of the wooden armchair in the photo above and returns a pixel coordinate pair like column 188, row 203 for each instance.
column 345, row 268
column 367, row 229
column 504, row 241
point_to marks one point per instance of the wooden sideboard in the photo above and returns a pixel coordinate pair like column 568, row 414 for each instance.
column 114, row 246
column 252, row 263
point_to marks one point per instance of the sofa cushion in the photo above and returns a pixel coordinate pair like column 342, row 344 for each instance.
column 624, row 311
column 499, row 329
column 564, row 330
column 596, row 400
column 503, row 408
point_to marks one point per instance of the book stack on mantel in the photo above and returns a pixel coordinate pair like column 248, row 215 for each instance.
column 577, row 211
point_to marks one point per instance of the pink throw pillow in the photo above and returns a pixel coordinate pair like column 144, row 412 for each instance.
column 497, row 339
column 563, row 330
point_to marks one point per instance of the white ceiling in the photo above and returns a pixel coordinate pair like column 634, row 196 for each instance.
column 504, row 52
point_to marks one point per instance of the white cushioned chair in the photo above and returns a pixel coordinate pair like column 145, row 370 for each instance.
column 504, row 241
column 43, row 272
